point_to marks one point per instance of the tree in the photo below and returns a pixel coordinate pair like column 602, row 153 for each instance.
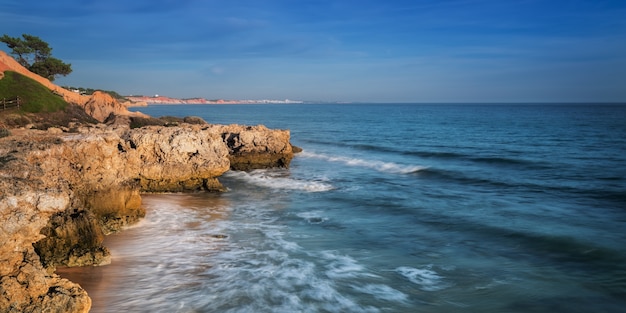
column 35, row 55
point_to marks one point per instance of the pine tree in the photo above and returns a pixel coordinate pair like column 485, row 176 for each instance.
column 36, row 55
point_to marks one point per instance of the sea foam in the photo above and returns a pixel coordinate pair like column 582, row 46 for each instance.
column 381, row 166
column 382, row 292
column 265, row 178
column 426, row 278
column 313, row 217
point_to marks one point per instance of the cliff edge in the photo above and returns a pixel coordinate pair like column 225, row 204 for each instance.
column 63, row 189
column 61, row 192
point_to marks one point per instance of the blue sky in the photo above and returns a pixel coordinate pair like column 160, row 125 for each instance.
column 352, row 50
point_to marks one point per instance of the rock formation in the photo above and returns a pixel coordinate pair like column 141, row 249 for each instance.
column 63, row 191
column 26, row 205
column 254, row 147
column 100, row 105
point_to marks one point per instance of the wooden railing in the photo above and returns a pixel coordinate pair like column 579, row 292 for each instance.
column 10, row 103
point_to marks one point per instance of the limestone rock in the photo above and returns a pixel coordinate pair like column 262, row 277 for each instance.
column 62, row 191
column 25, row 286
column 175, row 158
column 73, row 238
column 116, row 207
column 254, row 147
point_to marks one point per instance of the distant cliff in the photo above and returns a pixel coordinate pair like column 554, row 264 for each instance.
column 143, row 100
column 140, row 100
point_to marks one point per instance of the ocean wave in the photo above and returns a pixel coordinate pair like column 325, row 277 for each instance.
column 426, row 278
column 282, row 277
column 313, row 217
column 382, row 292
column 387, row 167
column 342, row 266
column 265, row 178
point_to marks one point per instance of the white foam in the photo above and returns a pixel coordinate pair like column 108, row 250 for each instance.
column 382, row 292
column 266, row 179
column 426, row 278
column 313, row 217
column 257, row 268
column 278, row 282
column 387, row 167
column 343, row 266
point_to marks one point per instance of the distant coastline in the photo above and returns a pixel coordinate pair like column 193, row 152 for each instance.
column 142, row 100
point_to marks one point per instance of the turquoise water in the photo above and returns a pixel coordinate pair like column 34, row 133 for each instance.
column 391, row 208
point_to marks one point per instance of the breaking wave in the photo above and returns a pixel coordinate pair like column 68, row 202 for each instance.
column 275, row 180
column 426, row 278
column 381, row 166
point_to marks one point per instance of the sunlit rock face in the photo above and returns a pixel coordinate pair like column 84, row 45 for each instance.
column 175, row 158
column 62, row 192
column 26, row 205
column 254, row 147
column 100, row 105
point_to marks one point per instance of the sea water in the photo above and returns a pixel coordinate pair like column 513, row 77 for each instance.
column 391, row 208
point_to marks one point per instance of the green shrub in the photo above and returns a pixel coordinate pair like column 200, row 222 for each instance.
column 138, row 122
column 4, row 132
column 171, row 120
column 194, row 120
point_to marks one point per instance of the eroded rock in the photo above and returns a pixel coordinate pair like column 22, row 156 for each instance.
column 175, row 158
column 25, row 286
column 73, row 238
column 254, row 147
column 64, row 191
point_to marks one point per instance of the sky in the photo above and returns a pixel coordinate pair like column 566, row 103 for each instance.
column 341, row 50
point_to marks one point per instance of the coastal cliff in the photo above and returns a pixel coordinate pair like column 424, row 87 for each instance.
column 63, row 189
column 62, row 192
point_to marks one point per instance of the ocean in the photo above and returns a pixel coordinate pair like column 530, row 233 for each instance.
column 390, row 208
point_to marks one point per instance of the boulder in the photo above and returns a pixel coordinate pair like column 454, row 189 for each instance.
column 100, row 105
column 254, row 147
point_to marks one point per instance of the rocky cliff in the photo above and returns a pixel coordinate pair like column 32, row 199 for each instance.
column 100, row 105
column 256, row 147
column 61, row 192
column 143, row 100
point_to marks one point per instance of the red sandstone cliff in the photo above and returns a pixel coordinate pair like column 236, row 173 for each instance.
column 141, row 100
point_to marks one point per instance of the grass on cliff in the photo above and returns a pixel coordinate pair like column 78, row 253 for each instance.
column 35, row 97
